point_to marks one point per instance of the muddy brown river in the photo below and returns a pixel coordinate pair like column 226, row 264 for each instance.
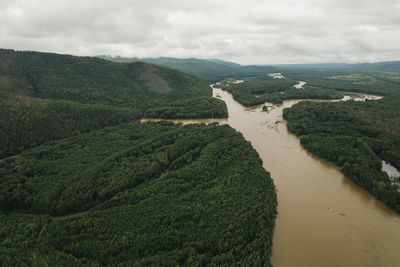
column 323, row 219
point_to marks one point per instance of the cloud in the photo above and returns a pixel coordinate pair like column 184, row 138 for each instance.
column 249, row 32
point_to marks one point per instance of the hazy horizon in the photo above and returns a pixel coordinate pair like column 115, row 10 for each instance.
column 256, row 32
column 260, row 64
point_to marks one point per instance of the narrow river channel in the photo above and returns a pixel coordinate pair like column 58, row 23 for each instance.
column 323, row 219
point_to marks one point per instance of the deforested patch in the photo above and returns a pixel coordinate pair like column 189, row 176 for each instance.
column 152, row 79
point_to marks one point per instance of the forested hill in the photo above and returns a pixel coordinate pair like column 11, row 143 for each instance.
column 92, row 80
column 208, row 69
column 46, row 96
column 138, row 194
column 83, row 183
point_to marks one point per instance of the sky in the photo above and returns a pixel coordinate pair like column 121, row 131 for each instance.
column 243, row 31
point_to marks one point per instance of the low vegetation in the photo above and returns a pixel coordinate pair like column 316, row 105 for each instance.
column 256, row 91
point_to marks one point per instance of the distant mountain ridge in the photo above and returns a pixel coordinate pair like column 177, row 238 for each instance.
column 386, row 66
column 208, row 69
column 227, row 63
column 213, row 70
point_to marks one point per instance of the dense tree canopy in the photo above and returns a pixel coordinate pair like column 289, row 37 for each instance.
column 145, row 193
column 25, row 125
column 95, row 81
column 355, row 136
column 45, row 97
column 83, row 183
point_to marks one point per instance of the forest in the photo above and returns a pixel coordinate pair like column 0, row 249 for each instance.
column 138, row 194
column 210, row 70
column 202, row 107
column 45, row 97
column 88, row 80
column 83, row 182
column 28, row 125
column 355, row 137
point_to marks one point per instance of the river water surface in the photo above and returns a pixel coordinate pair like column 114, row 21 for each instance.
column 323, row 219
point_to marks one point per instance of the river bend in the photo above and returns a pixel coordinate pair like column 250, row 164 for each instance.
column 324, row 219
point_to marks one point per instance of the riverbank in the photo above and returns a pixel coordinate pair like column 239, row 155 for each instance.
column 324, row 219
column 343, row 134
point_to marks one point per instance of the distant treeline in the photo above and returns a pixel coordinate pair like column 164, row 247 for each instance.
column 256, row 91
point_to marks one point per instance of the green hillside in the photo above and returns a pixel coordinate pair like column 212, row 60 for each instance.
column 210, row 70
column 92, row 80
column 46, row 96
column 28, row 125
column 83, row 183
column 138, row 194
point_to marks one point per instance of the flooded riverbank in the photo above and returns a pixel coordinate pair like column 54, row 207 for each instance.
column 393, row 173
column 323, row 219
column 299, row 85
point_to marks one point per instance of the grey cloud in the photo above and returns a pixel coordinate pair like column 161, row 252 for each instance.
column 253, row 31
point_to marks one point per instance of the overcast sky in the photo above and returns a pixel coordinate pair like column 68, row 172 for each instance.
column 244, row 31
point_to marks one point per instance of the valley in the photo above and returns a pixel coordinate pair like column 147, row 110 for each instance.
column 87, row 160
column 199, row 133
